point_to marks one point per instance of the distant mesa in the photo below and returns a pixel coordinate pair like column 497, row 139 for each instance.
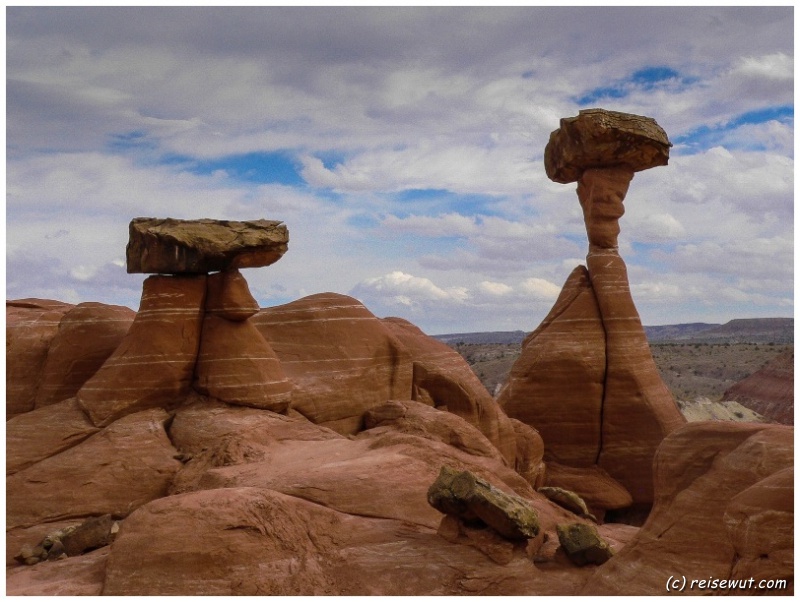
column 174, row 246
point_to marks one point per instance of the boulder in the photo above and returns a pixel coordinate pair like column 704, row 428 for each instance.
column 114, row 471
column 87, row 335
column 173, row 246
column 93, row 533
column 79, row 576
column 154, row 364
column 442, row 378
column 583, row 544
column 31, row 325
column 600, row 138
column 340, row 358
column 229, row 296
column 236, row 365
column 462, row 494
column 567, row 499
column 700, row 470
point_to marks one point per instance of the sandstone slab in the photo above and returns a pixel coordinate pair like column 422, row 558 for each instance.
column 33, row 436
column 173, row 246
column 114, row 471
column 600, row 138
column 442, row 378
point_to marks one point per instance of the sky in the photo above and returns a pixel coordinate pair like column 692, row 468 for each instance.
column 403, row 148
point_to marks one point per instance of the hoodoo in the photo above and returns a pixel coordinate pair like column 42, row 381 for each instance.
column 586, row 379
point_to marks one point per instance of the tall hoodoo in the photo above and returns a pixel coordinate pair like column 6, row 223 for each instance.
column 606, row 405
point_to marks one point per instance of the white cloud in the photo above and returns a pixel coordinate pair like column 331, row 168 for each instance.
column 374, row 102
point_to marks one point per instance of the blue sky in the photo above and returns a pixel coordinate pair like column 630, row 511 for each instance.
column 403, row 149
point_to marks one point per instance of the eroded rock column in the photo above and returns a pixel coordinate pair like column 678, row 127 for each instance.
column 586, row 378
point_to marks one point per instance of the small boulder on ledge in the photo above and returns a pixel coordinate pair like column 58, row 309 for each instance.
column 174, row 246
column 462, row 494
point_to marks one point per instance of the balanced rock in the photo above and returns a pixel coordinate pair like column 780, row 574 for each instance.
column 462, row 494
column 586, row 379
column 600, row 138
column 172, row 246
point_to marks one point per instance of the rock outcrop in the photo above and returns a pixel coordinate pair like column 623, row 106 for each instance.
column 586, row 379
column 291, row 451
column 769, row 391
column 723, row 508
column 31, row 325
column 154, row 364
column 173, row 246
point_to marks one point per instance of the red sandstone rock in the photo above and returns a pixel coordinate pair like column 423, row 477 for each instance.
column 768, row 391
column 340, row 358
column 593, row 484
column 87, row 335
column 638, row 408
column 112, row 472
column 229, row 296
column 701, row 470
column 530, row 453
column 79, row 576
column 31, row 325
column 556, row 385
column 154, row 364
column 443, row 379
column 236, row 365
column 173, row 246
column 760, row 525
column 251, row 541
column 418, row 419
column 34, row 436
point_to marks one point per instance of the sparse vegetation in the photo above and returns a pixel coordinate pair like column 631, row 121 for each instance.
column 690, row 370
